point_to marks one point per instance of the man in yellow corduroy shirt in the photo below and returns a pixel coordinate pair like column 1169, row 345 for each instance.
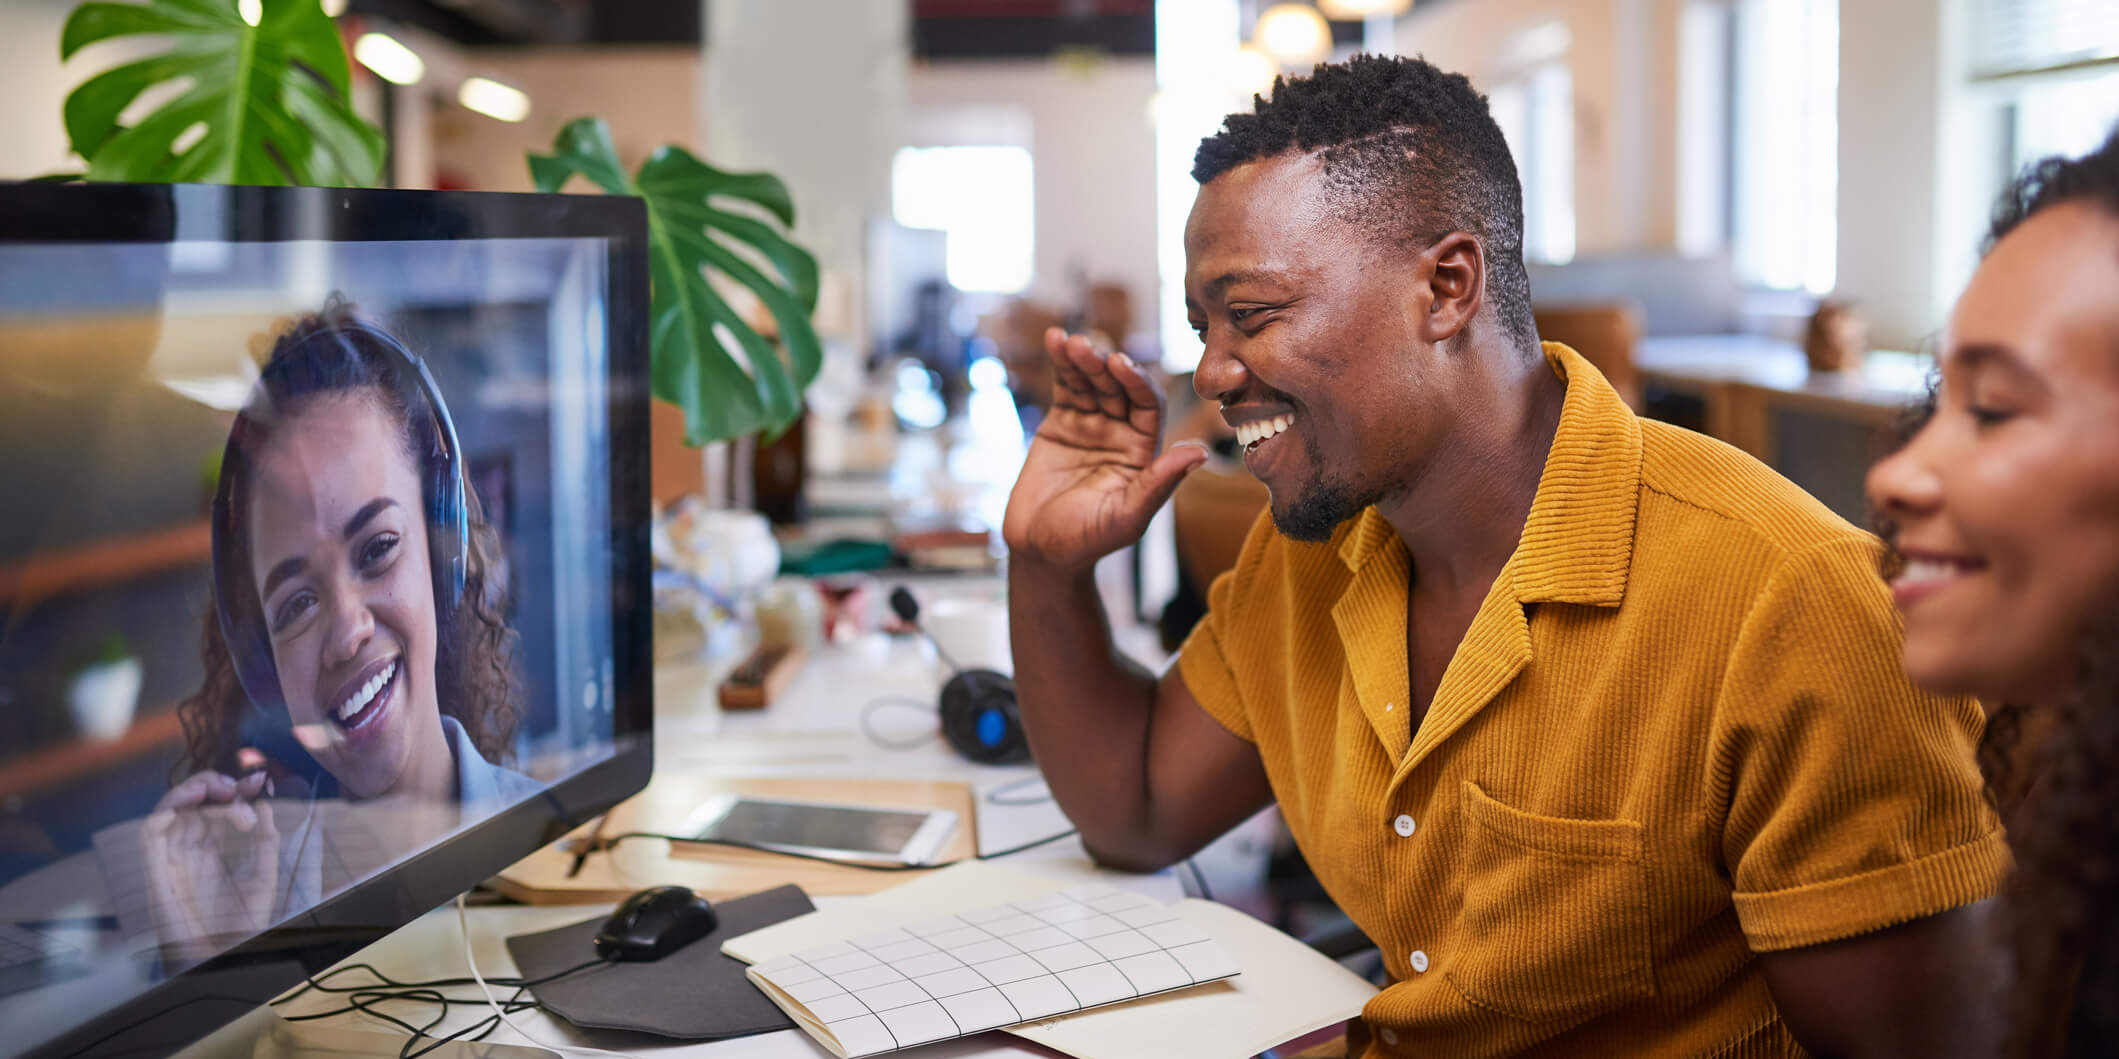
column 1594, row 725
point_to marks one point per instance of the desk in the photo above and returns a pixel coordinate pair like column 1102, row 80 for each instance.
column 1822, row 430
column 812, row 731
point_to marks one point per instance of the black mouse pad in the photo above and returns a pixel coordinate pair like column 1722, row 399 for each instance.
column 695, row 993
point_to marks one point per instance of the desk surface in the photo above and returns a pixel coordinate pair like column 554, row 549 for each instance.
column 1886, row 379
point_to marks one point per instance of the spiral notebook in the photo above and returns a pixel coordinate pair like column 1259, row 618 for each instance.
column 1007, row 964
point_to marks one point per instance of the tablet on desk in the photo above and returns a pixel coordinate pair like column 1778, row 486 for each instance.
column 823, row 829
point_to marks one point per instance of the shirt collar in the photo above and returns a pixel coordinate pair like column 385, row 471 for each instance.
column 1577, row 543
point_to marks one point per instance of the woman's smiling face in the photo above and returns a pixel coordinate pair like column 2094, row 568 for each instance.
column 2007, row 501
column 339, row 555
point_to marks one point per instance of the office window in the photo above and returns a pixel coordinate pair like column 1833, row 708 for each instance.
column 1785, row 171
column 981, row 197
column 2067, row 114
column 1534, row 105
column 2014, row 38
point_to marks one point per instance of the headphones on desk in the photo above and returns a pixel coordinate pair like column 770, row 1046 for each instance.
column 980, row 719
column 377, row 360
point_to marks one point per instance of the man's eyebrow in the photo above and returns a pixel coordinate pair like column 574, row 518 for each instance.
column 368, row 511
column 1232, row 277
column 286, row 569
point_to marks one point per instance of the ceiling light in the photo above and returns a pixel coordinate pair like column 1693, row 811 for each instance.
column 1357, row 10
column 390, row 60
column 1293, row 34
column 493, row 99
column 1251, row 71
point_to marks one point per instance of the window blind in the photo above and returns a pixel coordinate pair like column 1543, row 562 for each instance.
column 2014, row 38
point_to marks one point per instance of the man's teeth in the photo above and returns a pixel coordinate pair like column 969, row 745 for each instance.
column 367, row 693
column 1921, row 571
column 1252, row 433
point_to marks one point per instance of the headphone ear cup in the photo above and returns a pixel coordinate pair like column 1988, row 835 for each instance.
column 980, row 720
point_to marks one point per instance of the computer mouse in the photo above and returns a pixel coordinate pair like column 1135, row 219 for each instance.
column 654, row 923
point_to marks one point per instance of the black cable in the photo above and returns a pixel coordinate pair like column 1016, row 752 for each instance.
column 611, row 840
column 365, row 998
column 1200, row 877
column 904, row 702
column 999, row 795
column 316, row 982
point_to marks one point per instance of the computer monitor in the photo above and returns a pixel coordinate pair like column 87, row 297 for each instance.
column 324, row 578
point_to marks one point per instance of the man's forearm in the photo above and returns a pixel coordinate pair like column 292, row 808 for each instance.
column 1087, row 709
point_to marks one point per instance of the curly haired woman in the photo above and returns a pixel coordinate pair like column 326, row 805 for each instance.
column 2004, row 511
column 353, row 612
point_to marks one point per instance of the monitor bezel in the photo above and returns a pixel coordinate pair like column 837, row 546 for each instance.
column 197, row 1000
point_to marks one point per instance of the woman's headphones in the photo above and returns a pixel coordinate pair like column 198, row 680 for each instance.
column 401, row 372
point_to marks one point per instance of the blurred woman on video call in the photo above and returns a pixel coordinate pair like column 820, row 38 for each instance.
column 321, row 541
column 2003, row 513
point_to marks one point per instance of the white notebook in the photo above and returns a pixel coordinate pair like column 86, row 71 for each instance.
column 1144, row 1010
column 955, row 975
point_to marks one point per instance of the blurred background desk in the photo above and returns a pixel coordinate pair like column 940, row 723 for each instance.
column 1822, row 430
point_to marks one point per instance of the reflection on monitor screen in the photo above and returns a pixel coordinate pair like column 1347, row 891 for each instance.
column 309, row 568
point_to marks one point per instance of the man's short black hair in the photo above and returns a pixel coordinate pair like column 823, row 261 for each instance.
column 1415, row 152
column 2092, row 178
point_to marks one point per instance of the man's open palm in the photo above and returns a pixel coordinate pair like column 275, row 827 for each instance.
column 1095, row 473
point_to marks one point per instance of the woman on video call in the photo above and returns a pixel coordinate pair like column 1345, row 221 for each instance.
column 2004, row 515
column 357, row 609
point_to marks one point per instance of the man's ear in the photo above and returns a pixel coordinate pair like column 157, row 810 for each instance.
column 1454, row 271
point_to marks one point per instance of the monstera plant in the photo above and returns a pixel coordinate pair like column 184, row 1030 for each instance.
column 259, row 93
column 267, row 99
column 697, row 220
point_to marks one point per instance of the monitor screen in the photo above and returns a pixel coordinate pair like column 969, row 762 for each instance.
column 322, row 581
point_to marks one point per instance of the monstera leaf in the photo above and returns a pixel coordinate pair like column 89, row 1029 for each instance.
column 266, row 103
column 693, row 230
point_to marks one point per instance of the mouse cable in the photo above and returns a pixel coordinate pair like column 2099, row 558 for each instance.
column 609, row 841
column 471, row 960
column 365, row 997
column 903, row 702
column 1000, row 795
column 383, row 982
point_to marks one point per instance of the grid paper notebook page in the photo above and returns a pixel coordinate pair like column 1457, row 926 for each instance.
column 1067, row 951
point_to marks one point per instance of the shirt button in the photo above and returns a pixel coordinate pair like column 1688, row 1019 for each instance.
column 1403, row 825
column 1419, row 961
column 1389, row 1036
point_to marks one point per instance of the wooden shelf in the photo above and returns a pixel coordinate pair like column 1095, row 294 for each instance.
column 47, row 767
column 105, row 562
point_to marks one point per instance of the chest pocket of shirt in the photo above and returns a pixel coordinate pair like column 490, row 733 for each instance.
column 1555, row 923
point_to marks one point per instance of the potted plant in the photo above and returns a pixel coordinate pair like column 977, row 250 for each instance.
column 267, row 100
column 103, row 689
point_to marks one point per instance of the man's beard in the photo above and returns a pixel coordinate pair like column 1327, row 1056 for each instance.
column 1320, row 509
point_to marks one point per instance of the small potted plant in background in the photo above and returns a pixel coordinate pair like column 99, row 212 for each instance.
column 103, row 689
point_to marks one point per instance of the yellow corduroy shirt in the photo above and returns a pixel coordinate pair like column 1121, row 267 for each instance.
column 1676, row 734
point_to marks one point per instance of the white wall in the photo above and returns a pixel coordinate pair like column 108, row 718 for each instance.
column 1092, row 156
column 648, row 95
column 1889, row 124
column 1623, row 61
column 813, row 91
column 32, row 131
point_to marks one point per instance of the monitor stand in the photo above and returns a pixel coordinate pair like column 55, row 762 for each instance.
column 264, row 1035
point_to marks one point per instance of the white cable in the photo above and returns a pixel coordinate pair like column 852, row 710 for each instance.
column 464, row 921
